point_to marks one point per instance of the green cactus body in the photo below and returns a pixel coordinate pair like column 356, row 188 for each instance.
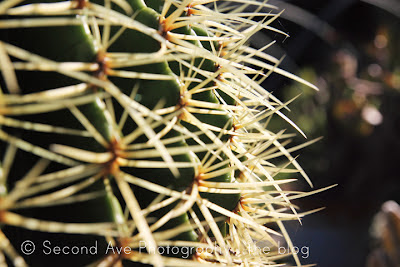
column 137, row 123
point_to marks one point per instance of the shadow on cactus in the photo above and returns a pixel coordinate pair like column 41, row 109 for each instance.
column 135, row 132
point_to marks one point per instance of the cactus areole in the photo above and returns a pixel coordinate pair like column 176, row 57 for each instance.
column 135, row 132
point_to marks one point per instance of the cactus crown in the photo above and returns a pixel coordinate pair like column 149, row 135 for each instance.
column 136, row 122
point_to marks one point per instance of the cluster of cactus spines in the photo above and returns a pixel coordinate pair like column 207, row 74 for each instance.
column 131, row 122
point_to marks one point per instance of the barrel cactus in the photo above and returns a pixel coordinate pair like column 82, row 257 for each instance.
column 134, row 132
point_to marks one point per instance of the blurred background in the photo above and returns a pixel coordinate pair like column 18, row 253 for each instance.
column 350, row 49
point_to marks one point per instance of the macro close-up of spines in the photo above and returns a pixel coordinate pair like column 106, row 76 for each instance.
column 139, row 129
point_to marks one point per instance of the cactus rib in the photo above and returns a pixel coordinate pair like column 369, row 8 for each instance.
column 138, row 121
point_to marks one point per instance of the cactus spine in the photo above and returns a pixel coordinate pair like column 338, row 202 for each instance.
column 130, row 122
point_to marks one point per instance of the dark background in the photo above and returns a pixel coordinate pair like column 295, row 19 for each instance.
column 350, row 49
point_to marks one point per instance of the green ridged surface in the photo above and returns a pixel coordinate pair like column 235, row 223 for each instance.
column 71, row 43
column 209, row 128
